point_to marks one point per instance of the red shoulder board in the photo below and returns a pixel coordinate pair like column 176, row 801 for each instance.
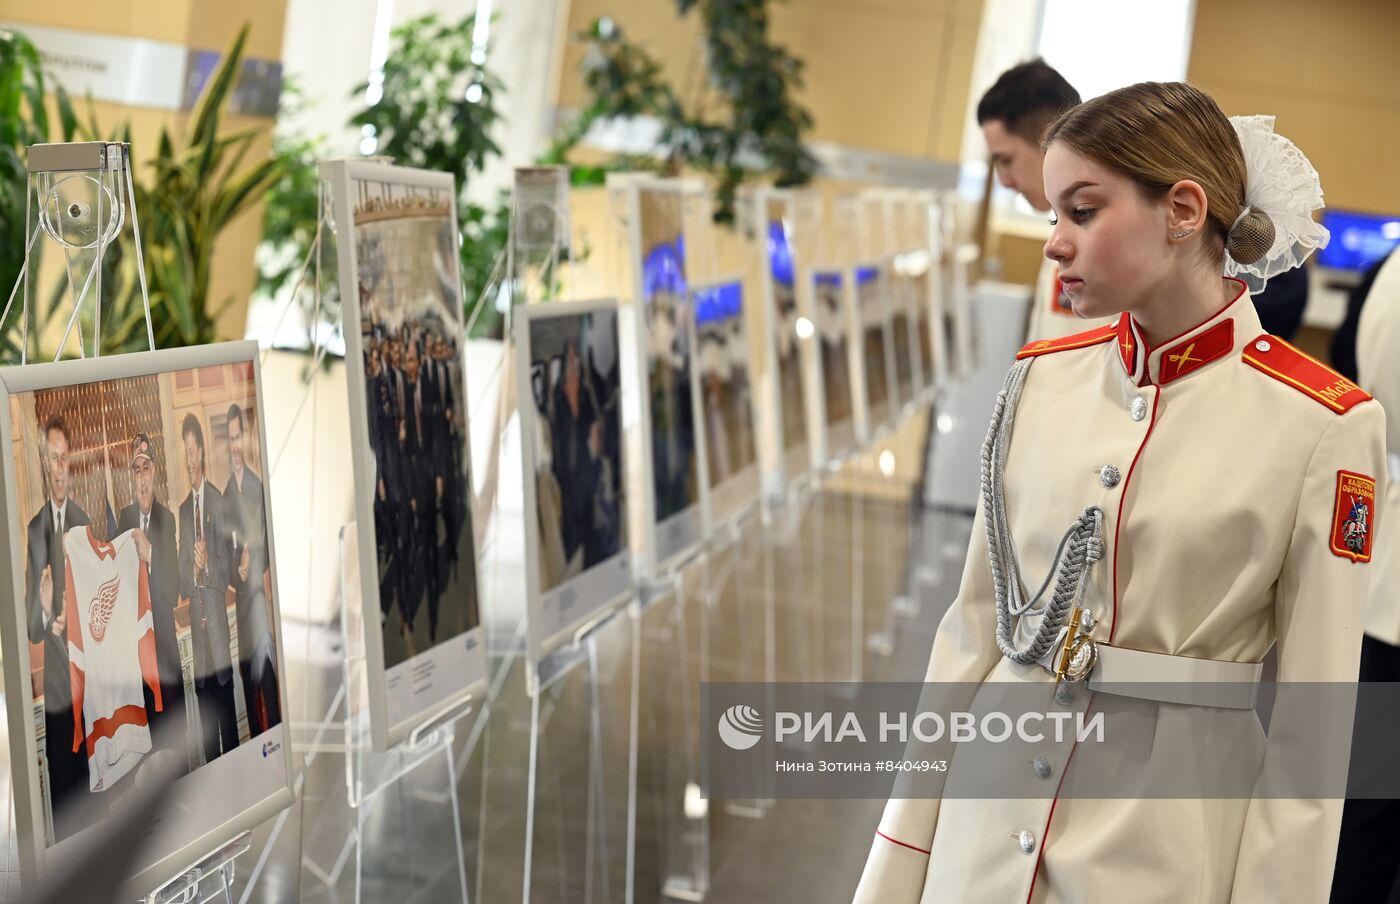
column 1304, row 373
column 1065, row 343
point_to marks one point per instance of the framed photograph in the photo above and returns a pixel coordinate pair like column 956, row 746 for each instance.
column 924, row 324
column 415, row 533
column 671, row 467
column 724, row 386
column 835, row 326
column 782, row 315
column 143, row 622
column 903, row 337
column 570, row 389
column 916, row 219
column 872, row 313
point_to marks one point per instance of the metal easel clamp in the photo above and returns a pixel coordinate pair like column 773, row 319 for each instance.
column 424, row 732
column 184, row 888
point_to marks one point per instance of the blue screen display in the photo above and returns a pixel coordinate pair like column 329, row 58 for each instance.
column 827, row 278
column 718, row 302
column 1358, row 239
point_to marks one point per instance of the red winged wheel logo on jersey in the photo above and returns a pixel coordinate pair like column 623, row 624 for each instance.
column 100, row 609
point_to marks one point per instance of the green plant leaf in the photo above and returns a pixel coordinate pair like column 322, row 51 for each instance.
column 209, row 109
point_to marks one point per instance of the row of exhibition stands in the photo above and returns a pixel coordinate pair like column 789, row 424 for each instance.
column 775, row 390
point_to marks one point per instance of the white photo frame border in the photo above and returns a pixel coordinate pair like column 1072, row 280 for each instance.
column 838, row 440
column 170, row 861
column 471, row 667
column 791, row 463
column 877, row 423
column 616, row 587
column 733, row 499
column 680, row 534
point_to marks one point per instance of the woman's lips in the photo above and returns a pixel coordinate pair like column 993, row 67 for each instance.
column 1070, row 284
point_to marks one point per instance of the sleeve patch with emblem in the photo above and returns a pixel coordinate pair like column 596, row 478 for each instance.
column 1354, row 516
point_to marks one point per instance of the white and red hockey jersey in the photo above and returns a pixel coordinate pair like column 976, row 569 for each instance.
column 111, row 652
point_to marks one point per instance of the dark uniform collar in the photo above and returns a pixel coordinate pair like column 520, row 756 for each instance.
column 1221, row 335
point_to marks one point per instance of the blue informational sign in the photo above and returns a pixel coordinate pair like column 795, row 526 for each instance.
column 1358, row 239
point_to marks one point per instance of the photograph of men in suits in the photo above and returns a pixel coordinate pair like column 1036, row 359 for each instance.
column 578, row 473
column 247, row 520
column 44, row 588
column 156, row 546
column 415, row 411
column 204, row 580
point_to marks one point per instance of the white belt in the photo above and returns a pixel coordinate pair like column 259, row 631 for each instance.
column 1166, row 678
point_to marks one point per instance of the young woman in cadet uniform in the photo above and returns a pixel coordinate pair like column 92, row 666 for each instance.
column 1197, row 491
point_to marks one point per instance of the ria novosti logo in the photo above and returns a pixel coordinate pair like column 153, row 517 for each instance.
column 740, row 727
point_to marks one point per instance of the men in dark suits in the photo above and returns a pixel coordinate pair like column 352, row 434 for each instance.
column 392, row 471
column 243, row 497
column 453, row 496
column 421, row 555
column 433, row 451
column 576, row 433
column 44, row 581
column 204, row 580
column 155, row 544
column 383, row 439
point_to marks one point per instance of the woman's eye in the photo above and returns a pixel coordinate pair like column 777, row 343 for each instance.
column 1082, row 214
column 1054, row 220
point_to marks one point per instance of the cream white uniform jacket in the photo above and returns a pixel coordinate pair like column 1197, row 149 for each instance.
column 1221, row 541
column 1378, row 363
column 1051, row 316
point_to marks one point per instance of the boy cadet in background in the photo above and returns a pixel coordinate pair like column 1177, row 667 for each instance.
column 1013, row 115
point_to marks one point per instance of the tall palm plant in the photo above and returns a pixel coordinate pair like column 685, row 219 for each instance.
column 198, row 182
column 24, row 120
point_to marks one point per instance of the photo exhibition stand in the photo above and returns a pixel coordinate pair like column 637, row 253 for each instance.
column 84, row 197
column 578, row 737
column 662, row 620
column 660, row 224
column 374, row 781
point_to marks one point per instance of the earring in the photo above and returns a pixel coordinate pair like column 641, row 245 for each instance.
column 1183, row 233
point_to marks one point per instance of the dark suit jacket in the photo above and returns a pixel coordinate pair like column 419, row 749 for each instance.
column 165, row 586
column 398, row 453
column 209, row 623
column 246, row 514
column 46, row 548
column 417, row 441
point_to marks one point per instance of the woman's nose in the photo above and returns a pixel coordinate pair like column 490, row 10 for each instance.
column 1056, row 247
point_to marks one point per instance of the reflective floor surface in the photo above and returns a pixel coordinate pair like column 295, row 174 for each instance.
column 844, row 586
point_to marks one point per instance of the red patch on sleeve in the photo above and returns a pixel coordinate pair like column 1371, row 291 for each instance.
column 1354, row 516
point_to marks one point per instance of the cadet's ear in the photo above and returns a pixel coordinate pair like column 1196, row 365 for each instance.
column 1187, row 209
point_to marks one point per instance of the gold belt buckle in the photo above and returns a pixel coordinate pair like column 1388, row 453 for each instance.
column 1078, row 655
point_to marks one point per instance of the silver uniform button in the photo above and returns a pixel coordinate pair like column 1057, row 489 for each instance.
column 1139, row 409
column 1109, row 476
column 1263, row 345
column 1026, row 840
column 1042, row 767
